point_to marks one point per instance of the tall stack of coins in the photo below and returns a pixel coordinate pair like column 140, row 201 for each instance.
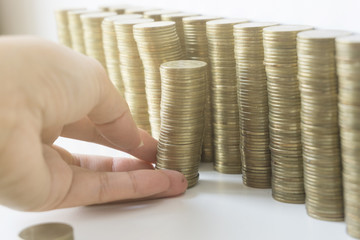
column 139, row 10
column 284, row 112
column 76, row 29
column 224, row 95
column 197, row 49
column 93, row 34
column 156, row 15
column 111, row 49
column 253, row 104
column 348, row 68
column 62, row 26
column 178, row 19
column 157, row 43
column 132, row 71
column 319, row 123
column 182, row 117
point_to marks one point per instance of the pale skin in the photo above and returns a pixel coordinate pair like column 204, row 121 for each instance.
column 47, row 91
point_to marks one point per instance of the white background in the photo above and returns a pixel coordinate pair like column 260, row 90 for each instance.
column 220, row 207
column 36, row 16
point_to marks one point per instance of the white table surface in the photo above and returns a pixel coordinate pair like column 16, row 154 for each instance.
column 219, row 207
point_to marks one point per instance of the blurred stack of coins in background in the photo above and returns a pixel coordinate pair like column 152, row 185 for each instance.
column 156, row 15
column 224, row 95
column 62, row 26
column 319, row 123
column 348, row 68
column 284, row 112
column 139, row 10
column 111, row 49
column 118, row 9
column 132, row 71
column 196, row 47
column 93, row 34
column 253, row 104
column 157, row 43
column 182, row 117
column 178, row 19
column 76, row 29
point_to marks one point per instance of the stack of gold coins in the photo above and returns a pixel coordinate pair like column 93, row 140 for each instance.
column 156, row 15
column 253, row 104
column 182, row 117
column 319, row 123
column 284, row 112
column 104, row 8
column 157, row 43
column 76, row 29
column 178, row 19
column 224, row 95
column 197, row 49
column 62, row 26
column 139, row 10
column 119, row 9
column 348, row 68
column 93, row 34
column 111, row 49
column 132, row 71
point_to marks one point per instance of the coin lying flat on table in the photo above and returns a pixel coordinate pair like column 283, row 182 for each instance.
column 48, row 231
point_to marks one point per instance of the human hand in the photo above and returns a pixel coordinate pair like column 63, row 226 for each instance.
column 47, row 90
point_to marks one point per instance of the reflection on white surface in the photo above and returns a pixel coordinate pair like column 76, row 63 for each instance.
column 219, row 207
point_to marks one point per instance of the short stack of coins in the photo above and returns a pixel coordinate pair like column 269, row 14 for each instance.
column 157, row 43
column 93, row 35
column 253, row 104
column 62, row 26
column 224, row 95
column 178, row 19
column 132, row 71
column 182, row 117
column 196, row 47
column 348, row 68
column 284, row 112
column 156, row 15
column 319, row 123
column 76, row 29
column 111, row 49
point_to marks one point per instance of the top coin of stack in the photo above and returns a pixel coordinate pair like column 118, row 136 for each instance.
column 182, row 117
column 224, row 95
column 319, row 123
column 348, row 68
column 253, row 104
column 48, row 231
column 62, row 26
column 93, row 34
column 157, row 43
column 139, row 10
column 284, row 112
column 156, row 15
column 196, row 47
column 111, row 49
column 178, row 19
column 76, row 29
column 132, row 71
